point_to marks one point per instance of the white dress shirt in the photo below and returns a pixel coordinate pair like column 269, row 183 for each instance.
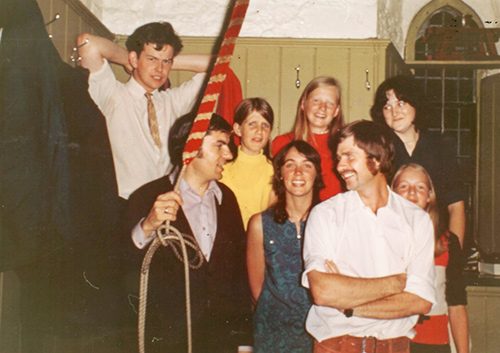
column 136, row 158
column 398, row 239
column 200, row 212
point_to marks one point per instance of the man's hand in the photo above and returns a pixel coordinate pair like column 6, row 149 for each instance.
column 331, row 267
column 164, row 209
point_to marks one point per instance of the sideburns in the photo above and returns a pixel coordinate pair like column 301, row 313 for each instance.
column 372, row 166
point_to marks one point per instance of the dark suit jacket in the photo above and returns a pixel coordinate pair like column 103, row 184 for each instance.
column 220, row 299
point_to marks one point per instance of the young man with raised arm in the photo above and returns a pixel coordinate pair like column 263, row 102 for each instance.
column 138, row 115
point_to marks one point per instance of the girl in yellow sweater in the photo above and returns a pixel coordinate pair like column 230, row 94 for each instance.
column 250, row 174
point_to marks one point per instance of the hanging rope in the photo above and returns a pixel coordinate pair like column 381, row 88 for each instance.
column 167, row 235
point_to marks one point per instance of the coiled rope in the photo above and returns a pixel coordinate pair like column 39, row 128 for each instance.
column 166, row 234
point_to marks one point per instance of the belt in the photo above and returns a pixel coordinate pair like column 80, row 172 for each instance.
column 351, row 344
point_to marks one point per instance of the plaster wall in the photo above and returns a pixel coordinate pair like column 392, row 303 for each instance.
column 384, row 19
column 95, row 6
column 265, row 18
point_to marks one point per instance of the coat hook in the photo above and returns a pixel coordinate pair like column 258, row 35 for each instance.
column 56, row 17
column 297, row 82
column 367, row 82
column 74, row 56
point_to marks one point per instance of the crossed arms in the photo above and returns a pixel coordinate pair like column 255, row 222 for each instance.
column 376, row 298
column 384, row 274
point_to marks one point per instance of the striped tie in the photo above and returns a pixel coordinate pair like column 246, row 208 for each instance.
column 153, row 121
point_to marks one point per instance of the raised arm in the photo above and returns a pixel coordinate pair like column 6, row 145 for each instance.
column 344, row 292
column 192, row 62
column 164, row 209
column 98, row 48
column 256, row 263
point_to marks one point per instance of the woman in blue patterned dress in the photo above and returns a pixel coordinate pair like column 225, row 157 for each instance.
column 274, row 252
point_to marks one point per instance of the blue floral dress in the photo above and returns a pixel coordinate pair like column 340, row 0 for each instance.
column 283, row 304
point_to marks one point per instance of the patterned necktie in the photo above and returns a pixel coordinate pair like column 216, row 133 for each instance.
column 153, row 121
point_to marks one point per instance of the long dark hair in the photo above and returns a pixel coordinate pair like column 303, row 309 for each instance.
column 407, row 90
column 304, row 148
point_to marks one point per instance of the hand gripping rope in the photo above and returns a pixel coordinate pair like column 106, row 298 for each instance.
column 168, row 235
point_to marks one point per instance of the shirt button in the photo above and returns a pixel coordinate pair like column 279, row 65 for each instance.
column 271, row 242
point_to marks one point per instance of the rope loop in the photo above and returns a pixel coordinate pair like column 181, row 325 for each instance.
column 170, row 236
column 178, row 241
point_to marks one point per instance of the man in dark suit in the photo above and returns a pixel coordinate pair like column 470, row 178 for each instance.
column 208, row 211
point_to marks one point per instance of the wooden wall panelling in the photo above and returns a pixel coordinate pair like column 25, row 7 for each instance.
column 73, row 29
column 486, row 181
column 477, row 311
column 266, row 67
column 239, row 65
column 75, row 19
column 484, row 310
column 394, row 64
column 496, row 165
column 262, row 73
column 360, row 98
column 59, row 27
column 333, row 61
column 292, row 56
column 10, row 325
column 266, row 60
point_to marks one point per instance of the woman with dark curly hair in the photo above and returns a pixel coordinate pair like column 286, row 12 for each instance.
column 274, row 252
column 399, row 105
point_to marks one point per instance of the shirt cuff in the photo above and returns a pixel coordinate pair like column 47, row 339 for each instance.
column 139, row 238
column 422, row 288
column 102, row 72
column 305, row 279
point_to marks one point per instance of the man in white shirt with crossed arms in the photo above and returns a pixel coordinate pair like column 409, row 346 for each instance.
column 368, row 253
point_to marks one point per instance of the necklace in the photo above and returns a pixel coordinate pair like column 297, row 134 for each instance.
column 321, row 133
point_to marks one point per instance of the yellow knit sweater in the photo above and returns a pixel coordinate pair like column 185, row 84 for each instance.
column 250, row 178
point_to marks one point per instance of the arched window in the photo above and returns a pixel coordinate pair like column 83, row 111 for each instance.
column 438, row 14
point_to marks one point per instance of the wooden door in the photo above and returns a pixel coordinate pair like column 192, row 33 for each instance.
column 488, row 171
